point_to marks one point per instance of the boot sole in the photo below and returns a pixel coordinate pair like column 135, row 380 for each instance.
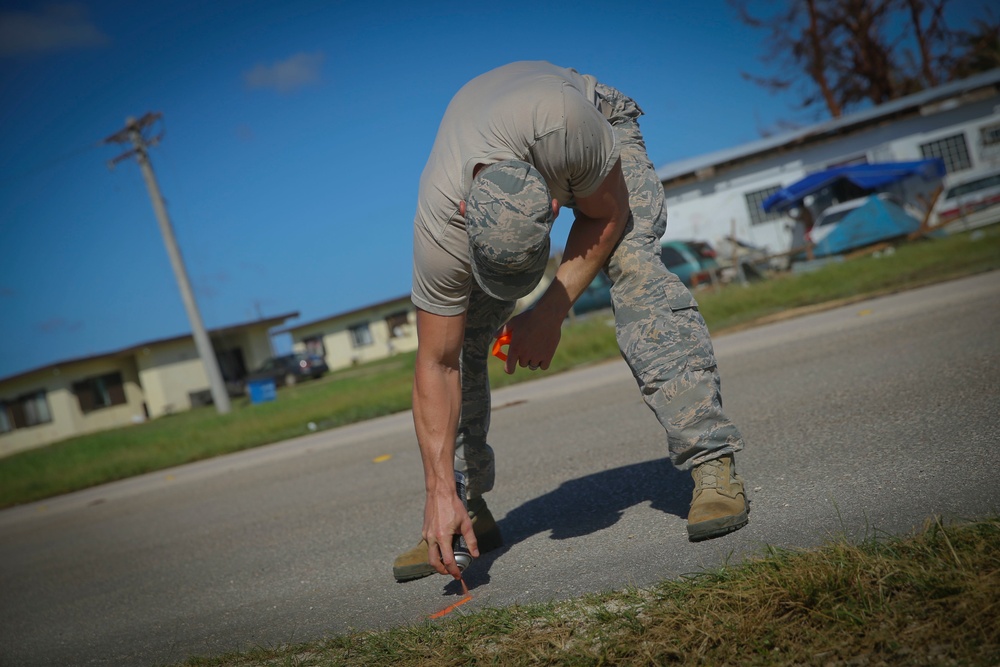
column 488, row 541
column 706, row 530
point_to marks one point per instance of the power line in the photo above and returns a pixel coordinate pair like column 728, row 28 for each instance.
column 49, row 164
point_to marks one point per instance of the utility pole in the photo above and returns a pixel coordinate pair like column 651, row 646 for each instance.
column 133, row 132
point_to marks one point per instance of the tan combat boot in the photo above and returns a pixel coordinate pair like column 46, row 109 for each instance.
column 719, row 504
column 413, row 563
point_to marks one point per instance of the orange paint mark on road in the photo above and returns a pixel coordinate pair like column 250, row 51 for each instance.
column 452, row 607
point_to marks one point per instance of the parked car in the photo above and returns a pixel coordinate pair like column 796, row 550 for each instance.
column 694, row 262
column 973, row 201
column 828, row 219
column 289, row 369
column 597, row 296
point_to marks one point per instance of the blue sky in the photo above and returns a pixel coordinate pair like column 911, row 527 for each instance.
column 294, row 134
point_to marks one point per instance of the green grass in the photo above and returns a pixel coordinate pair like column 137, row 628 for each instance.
column 932, row 598
column 913, row 265
column 383, row 387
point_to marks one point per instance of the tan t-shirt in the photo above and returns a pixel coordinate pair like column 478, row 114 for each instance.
column 537, row 112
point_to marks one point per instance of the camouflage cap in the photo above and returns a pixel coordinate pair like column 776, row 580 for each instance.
column 509, row 216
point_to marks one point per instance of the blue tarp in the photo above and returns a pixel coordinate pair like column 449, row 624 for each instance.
column 868, row 176
column 875, row 220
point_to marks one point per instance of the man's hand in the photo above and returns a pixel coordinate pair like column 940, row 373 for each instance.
column 444, row 518
column 534, row 337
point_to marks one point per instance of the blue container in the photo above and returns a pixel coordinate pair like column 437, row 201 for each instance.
column 262, row 391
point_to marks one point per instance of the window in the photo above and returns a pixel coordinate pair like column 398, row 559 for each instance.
column 361, row 335
column 315, row 346
column 754, row 205
column 990, row 135
column 36, row 409
column 397, row 324
column 28, row 410
column 992, row 181
column 100, row 392
column 953, row 150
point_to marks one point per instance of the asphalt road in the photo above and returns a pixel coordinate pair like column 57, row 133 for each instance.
column 864, row 419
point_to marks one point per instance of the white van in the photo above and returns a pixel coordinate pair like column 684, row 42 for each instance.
column 969, row 201
column 831, row 216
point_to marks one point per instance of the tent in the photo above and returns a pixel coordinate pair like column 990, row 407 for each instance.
column 867, row 176
column 875, row 220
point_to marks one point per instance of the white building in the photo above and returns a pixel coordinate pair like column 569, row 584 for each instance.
column 714, row 196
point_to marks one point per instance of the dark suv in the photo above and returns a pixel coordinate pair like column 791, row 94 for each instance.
column 288, row 369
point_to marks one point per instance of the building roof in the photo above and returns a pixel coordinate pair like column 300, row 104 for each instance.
column 268, row 321
column 346, row 313
column 944, row 95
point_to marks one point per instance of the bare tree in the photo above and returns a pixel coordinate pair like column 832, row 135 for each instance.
column 862, row 54
column 815, row 57
column 978, row 50
column 925, row 35
column 856, row 52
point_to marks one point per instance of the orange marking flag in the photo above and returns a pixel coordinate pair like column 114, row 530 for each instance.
column 501, row 341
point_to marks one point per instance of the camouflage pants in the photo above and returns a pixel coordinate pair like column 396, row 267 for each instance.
column 661, row 334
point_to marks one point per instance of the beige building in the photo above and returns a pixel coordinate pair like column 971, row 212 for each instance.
column 359, row 336
column 377, row 331
column 140, row 382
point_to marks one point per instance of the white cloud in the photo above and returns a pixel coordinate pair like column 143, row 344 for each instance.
column 57, row 27
column 284, row 76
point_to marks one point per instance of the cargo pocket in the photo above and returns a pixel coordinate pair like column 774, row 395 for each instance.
column 670, row 340
column 691, row 328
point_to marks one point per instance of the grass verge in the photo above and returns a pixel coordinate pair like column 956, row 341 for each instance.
column 932, row 598
column 383, row 387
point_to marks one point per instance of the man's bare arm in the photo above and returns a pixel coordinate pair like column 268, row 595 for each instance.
column 437, row 403
column 600, row 221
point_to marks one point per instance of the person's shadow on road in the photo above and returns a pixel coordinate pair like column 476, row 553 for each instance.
column 586, row 505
